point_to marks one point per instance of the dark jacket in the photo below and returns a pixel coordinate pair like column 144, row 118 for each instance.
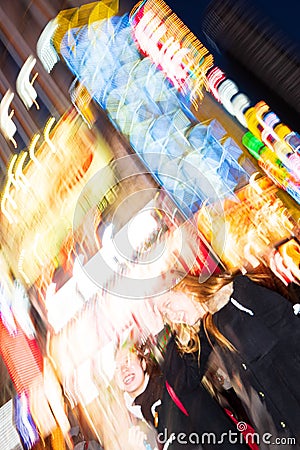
column 265, row 369
column 205, row 415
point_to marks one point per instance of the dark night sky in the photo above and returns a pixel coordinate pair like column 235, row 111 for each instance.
column 283, row 15
column 286, row 17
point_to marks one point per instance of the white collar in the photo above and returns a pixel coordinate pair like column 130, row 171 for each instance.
column 221, row 298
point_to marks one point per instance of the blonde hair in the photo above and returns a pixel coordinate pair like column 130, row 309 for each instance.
column 187, row 337
column 204, row 293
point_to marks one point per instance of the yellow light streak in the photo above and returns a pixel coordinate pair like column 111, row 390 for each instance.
column 19, row 176
column 32, row 148
column 47, row 129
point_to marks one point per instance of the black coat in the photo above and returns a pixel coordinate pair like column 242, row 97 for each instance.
column 266, row 367
column 205, row 415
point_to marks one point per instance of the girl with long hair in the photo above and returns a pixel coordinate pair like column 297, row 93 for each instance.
column 255, row 333
column 172, row 399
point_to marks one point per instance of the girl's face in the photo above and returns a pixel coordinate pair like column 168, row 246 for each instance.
column 178, row 307
column 130, row 373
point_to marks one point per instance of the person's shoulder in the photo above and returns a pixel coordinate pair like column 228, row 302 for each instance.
column 261, row 299
column 241, row 279
column 246, row 283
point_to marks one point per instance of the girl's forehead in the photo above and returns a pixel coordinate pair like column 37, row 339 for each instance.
column 163, row 300
column 170, row 297
column 125, row 354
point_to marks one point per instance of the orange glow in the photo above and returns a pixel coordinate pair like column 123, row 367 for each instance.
column 40, row 195
column 290, row 252
column 248, row 226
